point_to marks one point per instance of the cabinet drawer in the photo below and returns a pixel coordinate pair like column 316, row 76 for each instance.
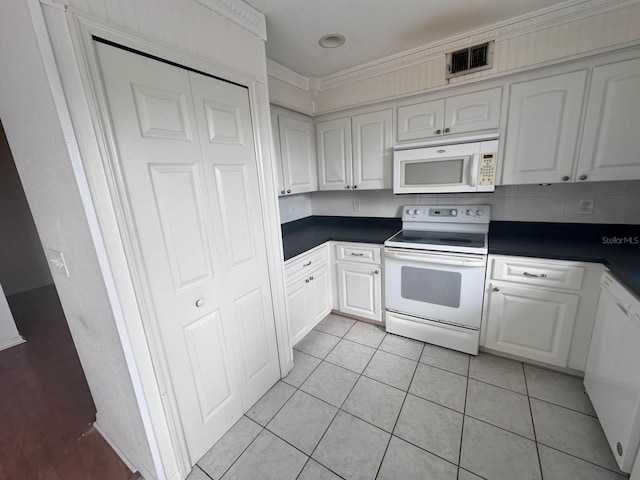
column 358, row 253
column 544, row 274
column 305, row 263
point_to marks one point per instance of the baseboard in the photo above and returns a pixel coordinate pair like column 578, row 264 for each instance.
column 107, row 433
column 10, row 342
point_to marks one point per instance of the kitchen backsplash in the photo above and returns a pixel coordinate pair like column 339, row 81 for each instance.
column 614, row 202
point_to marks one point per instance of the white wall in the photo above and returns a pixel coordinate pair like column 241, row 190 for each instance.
column 9, row 335
column 34, row 133
column 23, row 265
column 615, row 202
column 294, row 207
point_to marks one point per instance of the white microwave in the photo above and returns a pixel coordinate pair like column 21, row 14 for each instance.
column 459, row 167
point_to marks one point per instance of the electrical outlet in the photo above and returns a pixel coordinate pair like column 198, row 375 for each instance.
column 586, row 207
column 357, row 206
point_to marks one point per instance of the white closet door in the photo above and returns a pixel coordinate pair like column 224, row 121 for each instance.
column 191, row 184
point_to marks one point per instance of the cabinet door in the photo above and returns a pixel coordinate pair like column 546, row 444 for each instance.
column 298, row 155
column 298, row 299
column 372, row 142
column 531, row 323
column 610, row 143
column 334, row 154
column 360, row 290
column 473, row 111
column 275, row 130
column 542, row 129
column 421, row 120
column 320, row 286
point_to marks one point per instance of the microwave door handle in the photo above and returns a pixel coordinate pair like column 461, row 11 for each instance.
column 475, row 163
column 439, row 260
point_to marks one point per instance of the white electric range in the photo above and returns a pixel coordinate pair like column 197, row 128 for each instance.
column 434, row 274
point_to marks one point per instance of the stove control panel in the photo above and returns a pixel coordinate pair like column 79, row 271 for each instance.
column 447, row 213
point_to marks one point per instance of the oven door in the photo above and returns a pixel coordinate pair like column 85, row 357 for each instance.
column 446, row 287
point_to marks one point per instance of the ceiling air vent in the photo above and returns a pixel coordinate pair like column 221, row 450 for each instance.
column 469, row 60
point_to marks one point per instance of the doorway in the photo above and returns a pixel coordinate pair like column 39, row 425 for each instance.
column 46, row 408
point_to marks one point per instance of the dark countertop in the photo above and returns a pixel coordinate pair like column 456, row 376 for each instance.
column 304, row 234
column 616, row 246
column 612, row 245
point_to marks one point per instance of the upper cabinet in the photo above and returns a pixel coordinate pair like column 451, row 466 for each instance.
column 546, row 121
column 295, row 152
column 542, row 129
column 466, row 113
column 355, row 152
column 611, row 140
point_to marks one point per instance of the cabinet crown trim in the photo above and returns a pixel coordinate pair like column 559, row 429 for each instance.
column 514, row 27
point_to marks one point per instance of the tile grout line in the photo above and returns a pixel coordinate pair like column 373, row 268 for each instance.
column 406, row 394
column 464, row 416
column 345, row 399
column 535, row 436
column 309, row 457
column 623, row 476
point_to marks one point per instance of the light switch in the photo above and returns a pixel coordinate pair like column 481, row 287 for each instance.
column 56, row 259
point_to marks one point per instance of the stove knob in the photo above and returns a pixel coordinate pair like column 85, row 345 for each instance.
column 408, row 211
column 469, row 212
column 479, row 212
column 416, row 211
column 453, row 212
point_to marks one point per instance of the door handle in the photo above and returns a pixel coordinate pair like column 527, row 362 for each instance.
column 199, row 302
column 353, row 254
column 440, row 260
column 307, row 264
column 541, row 275
column 622, row 308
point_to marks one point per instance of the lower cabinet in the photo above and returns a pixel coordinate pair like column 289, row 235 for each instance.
column 308, row 296
column 359, row 281
column 540, row 309
column 531, row 323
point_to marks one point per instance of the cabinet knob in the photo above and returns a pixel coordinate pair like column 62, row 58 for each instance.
column 447, row 130
column 565, row 178
column 311, row 277
column 307, row 280
column 496, row 289
column 282, row 192
column 583, row 177
column 199, row 302
column 347, row 187
column 355, row 186
column 288, row 191
column 438, row 132
column 377, row 272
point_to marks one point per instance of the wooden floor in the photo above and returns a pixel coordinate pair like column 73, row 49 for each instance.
column 46, row 410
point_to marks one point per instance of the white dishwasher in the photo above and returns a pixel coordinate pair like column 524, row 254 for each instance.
column 612, row 375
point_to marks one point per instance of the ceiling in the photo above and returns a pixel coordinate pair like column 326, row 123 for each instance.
column 373, row 28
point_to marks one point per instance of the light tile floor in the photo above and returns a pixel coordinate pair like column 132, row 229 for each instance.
column 362, row 404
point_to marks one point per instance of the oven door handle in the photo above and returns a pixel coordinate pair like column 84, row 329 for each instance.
column 432, row 259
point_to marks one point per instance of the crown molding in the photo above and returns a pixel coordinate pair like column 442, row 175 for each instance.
column 542, row 19
column 279, row 71
column 240, row 13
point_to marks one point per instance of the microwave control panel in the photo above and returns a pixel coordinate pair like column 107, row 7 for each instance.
column 487, row 169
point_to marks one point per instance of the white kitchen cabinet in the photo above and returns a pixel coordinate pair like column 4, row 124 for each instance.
column 466, row 113
column 543, row 124
column 360, row 290
column 355, row 152
column 359, row 280
column 308, row 299
column 531, row 323
column 295, row 153
column 540, row 310
column 610, row 140
column 334, row 154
